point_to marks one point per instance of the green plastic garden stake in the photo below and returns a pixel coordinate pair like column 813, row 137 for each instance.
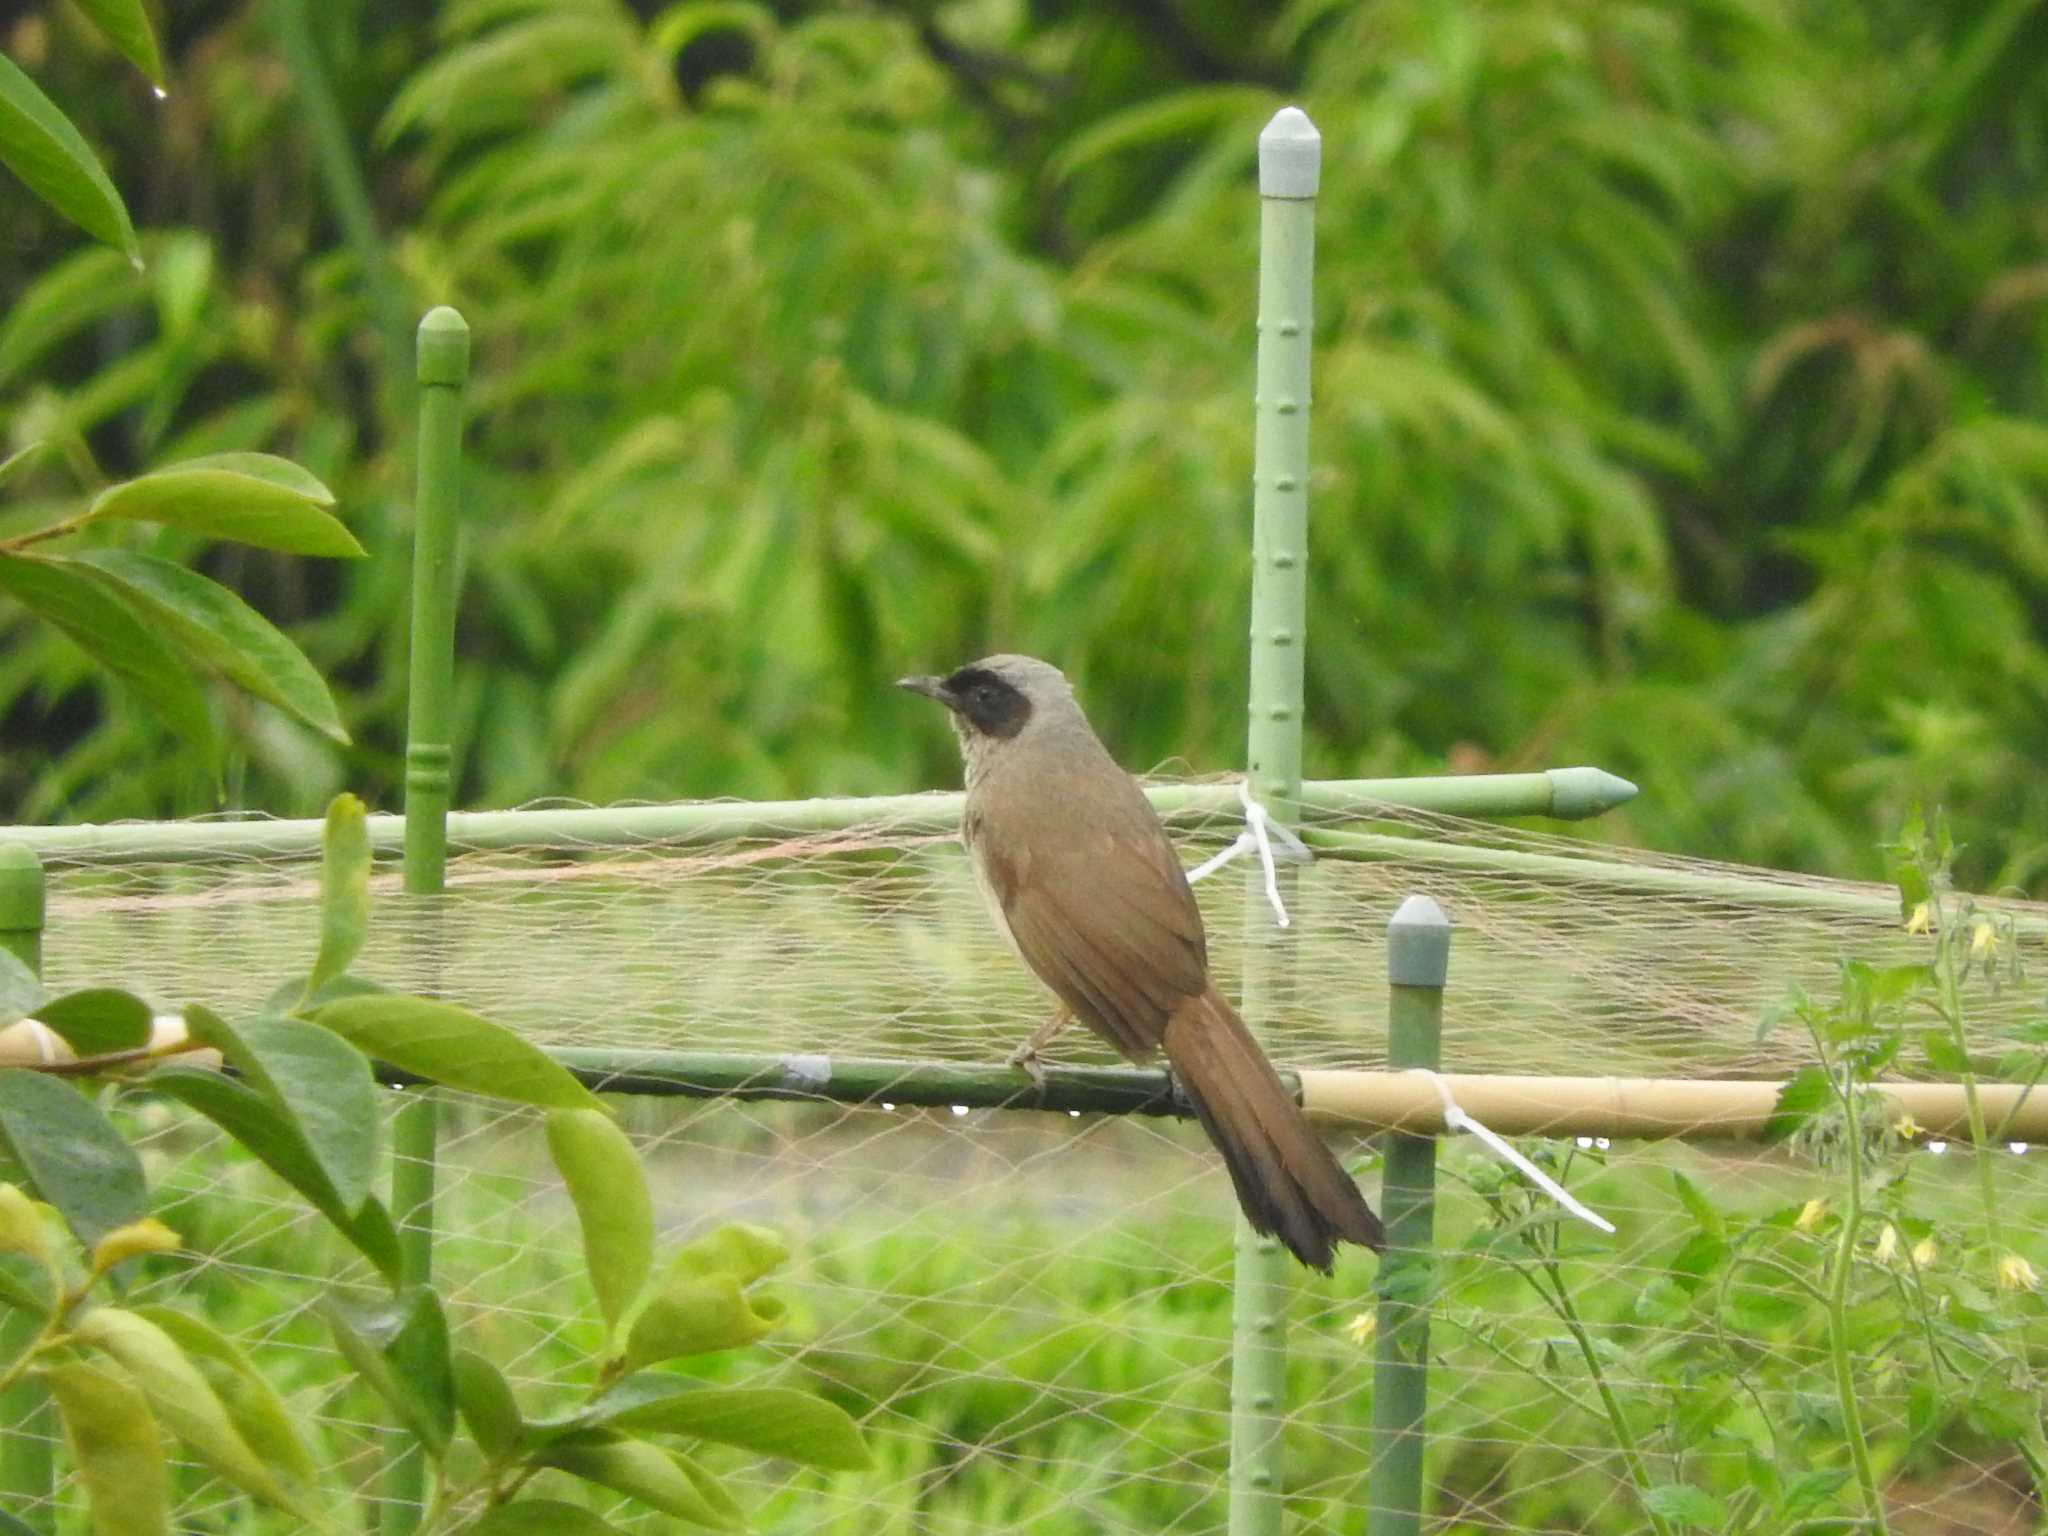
column 1418, row 959
column 1290, row 164
column 28, row 1427
column 429, row 776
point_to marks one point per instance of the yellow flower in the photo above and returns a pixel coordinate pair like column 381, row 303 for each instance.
column 1810, row 1215
column 1922, row 919
column 2016, row 1274
column 1906, row 1128
column 1888, row 1245
column 1925, row 1253
column 1982, row 935
column 1361, row 1328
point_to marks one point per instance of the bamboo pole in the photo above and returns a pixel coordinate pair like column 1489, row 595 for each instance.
column 1418, row 959
column 28, row 1426
column 1290, row 163
column 443, row 363
column 1562, row 793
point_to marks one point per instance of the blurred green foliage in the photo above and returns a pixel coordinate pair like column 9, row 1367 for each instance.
column 1679, row 389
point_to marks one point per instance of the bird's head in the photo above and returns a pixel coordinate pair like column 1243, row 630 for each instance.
column 998, row 697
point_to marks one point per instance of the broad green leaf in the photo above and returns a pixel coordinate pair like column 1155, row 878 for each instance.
column 126, row 25
column 1803, row 1096
column 254, row 1406
column 1942, row 1052
column 487, row 1405
column 454, row 1047
column 114, row 1440
column 219, row 631
column 182, row 1400
column 21, row 993
column 399, row 1345
column 136, row 1240
column 318, row 1081
column 75, row 1159
column 21, row 1226
column 1702, row 1210
column 642, row 1471
column 28, row 1286
column 773, row 1421
column 344, row 891
column 9, row 1526
column 694, row 1315
column 100, row 1019
column 39, row 144
column 542, row 1517
column 598, row 1164
column 262, row 1128
column 1686, row 1504
column 92, row 611
column 243, row 497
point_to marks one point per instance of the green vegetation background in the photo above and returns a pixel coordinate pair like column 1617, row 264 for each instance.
column 1679, row 385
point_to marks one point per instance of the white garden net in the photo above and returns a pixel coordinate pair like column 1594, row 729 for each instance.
column 1030, row 1311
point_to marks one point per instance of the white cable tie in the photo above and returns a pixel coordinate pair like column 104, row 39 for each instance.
column 1263, row 833
column 1208, row 867
column 1455, row 1119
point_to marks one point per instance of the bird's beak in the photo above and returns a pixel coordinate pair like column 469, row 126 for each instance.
column 930, row 687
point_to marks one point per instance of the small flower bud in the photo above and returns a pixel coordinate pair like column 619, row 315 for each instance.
column 1810, row 1215
column 2015, row 1274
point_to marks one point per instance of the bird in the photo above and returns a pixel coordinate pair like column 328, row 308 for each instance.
column 1083, row 881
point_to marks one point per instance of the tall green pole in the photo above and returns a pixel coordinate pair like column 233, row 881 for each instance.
column 443, row 371
column 1290, row 164
column 28, row 1428
column 1418, row 961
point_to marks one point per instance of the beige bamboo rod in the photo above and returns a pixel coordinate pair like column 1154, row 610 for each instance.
column 1631, row 1108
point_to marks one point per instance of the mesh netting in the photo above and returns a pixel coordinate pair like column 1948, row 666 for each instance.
column 1030, row 1312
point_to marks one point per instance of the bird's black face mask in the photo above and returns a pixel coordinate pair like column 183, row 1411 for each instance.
column 978, row 696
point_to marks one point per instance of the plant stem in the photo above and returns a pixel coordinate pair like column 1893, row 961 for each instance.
column 1952, row 1013
column 1838, row 1313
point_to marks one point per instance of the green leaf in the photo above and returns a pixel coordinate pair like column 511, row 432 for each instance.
column 100, row 1019
column 183, row 1402
column 94, row 613
column 1702, row 1210
column 739, row 1249
column 75, row 1159
column 318, row 1082
column 487, row 1405
column 598, row 1164
column 1802, row 1097
column 259, row 1414
column 114, row 1440
column 399, row 1346
column 694, row 1315
column 39, row 144
column 21, row 992
column 1176, row 118
column 771, row 1421
column 126, row 25
column 219, row 631
column 642, row 1471
column 542, row 1517
column 261, row 1127
column 250, row 498
column 1942, row 1052
column 344, row 890
column 1686, row 1504
column 454, row 1047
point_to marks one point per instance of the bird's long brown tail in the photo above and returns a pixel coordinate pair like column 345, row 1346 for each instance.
column 1290, row 1184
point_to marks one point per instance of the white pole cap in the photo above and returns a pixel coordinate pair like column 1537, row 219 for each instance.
column 1290, row 155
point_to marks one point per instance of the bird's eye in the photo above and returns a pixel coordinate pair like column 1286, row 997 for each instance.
column 985, row 693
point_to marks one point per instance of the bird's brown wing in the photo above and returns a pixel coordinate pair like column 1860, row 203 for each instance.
column 1096, row 902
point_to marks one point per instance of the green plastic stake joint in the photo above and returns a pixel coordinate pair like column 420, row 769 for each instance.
column 1418, row 963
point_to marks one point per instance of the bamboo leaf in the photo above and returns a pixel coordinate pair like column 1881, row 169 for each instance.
column 73, row 1156
column 126, row 25
column 251, row 498
column 40, row 145
column 93, row 613
column 454, row 1047
column 219, row 631
column 603, row 1174
column 113, row 1438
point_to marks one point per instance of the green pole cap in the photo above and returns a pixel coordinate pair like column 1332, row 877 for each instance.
column 21, row 889
column 1576, row 793
column 1290, row 155
column 443, row 347
column 1418, row 944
